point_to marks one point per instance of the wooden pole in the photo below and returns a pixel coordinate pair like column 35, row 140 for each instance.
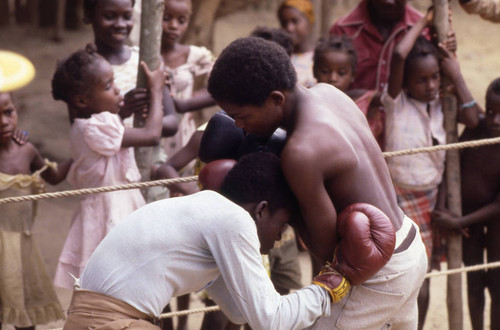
column 59, row 23
column 150, row 42
column 454, row 239
column 326, row 17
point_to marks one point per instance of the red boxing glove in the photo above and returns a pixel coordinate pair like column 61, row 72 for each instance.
column 212, row 175
column 367, row 241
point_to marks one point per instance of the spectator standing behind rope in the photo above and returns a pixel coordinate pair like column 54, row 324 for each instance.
column 480, row 180
column 297, row 18
column 101, row 151
column 27, row 295
column 414, row 118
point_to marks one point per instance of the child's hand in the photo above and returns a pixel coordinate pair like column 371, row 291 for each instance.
column 136, row 101
column 451, row 42
column 20, row 137
column 448, row 63
column 156, row 78
column 445, row 220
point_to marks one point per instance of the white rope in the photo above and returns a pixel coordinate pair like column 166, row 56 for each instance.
column 464, row 269
column 166, row 182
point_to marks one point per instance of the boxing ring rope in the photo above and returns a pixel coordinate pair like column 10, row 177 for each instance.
column 166, row 182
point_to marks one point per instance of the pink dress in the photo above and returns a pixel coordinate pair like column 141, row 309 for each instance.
column 98, row 160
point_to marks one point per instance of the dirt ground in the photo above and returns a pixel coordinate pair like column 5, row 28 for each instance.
column 47, row 122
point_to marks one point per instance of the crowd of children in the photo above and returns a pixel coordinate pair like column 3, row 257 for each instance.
column 381, row 56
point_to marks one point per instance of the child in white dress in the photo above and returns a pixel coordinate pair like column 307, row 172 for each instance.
column 184, row 66
column 100, row 148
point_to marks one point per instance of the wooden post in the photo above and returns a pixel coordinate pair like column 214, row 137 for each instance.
column 327, row 7
column 316, row 32
column 454, row 239
column 59, row 23
column 4, row 12
column 150, row 42
column 201, row 26
column 34, row 12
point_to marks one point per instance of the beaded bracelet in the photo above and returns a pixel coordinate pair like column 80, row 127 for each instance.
column 468, row 105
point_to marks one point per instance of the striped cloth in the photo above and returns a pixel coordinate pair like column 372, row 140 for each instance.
column 418, row 205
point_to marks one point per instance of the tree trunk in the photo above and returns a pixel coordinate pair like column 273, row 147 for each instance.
column 454, row 239
column 150, row 42
column 327, row 8
column 200, row 30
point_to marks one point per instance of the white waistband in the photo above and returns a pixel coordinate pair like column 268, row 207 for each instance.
column 403, row 231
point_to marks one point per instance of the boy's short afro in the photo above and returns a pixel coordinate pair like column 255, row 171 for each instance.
column 248, row 70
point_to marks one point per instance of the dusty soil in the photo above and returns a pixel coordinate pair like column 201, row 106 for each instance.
column 48, row 126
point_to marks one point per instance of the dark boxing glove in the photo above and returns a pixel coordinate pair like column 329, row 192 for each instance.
column 212, row 175
column 366, row 243
column 223, row 140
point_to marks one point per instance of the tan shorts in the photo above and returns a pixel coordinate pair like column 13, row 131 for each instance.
column 92, row 310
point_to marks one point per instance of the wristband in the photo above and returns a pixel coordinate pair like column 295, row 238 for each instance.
column 468, row 105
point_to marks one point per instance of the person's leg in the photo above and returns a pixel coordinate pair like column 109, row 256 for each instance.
column 213, row 320
column 493, row 275
column 423, row 303
column 167, row 324
column 473, row 251
column 182, row 304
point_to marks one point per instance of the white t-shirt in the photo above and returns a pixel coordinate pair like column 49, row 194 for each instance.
column 179, row 245
column 409, row 125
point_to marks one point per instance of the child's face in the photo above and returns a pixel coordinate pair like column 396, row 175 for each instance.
column 175, row 21
column 334, row 68
column 112, row 21
column 8, row 118
column 493, row 114
column 103, row 95
column 423, row 79
column 296, row 24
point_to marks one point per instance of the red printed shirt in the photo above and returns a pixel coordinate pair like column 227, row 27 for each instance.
column 374, row 53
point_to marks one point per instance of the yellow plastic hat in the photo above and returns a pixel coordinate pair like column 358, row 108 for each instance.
column 15, row 71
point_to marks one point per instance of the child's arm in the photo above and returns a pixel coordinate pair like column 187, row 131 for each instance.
column 401, row 51
column 150, row 134
column 51, row 175
column 446, row 220
column 201, row 100
column 469, row 110
column 170, row 124
column 176, row 162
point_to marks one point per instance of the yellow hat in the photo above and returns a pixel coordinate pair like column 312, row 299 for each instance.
column 304, row 6
column 15, row 71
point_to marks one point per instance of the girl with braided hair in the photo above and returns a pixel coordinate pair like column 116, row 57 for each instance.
column 101, row 150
